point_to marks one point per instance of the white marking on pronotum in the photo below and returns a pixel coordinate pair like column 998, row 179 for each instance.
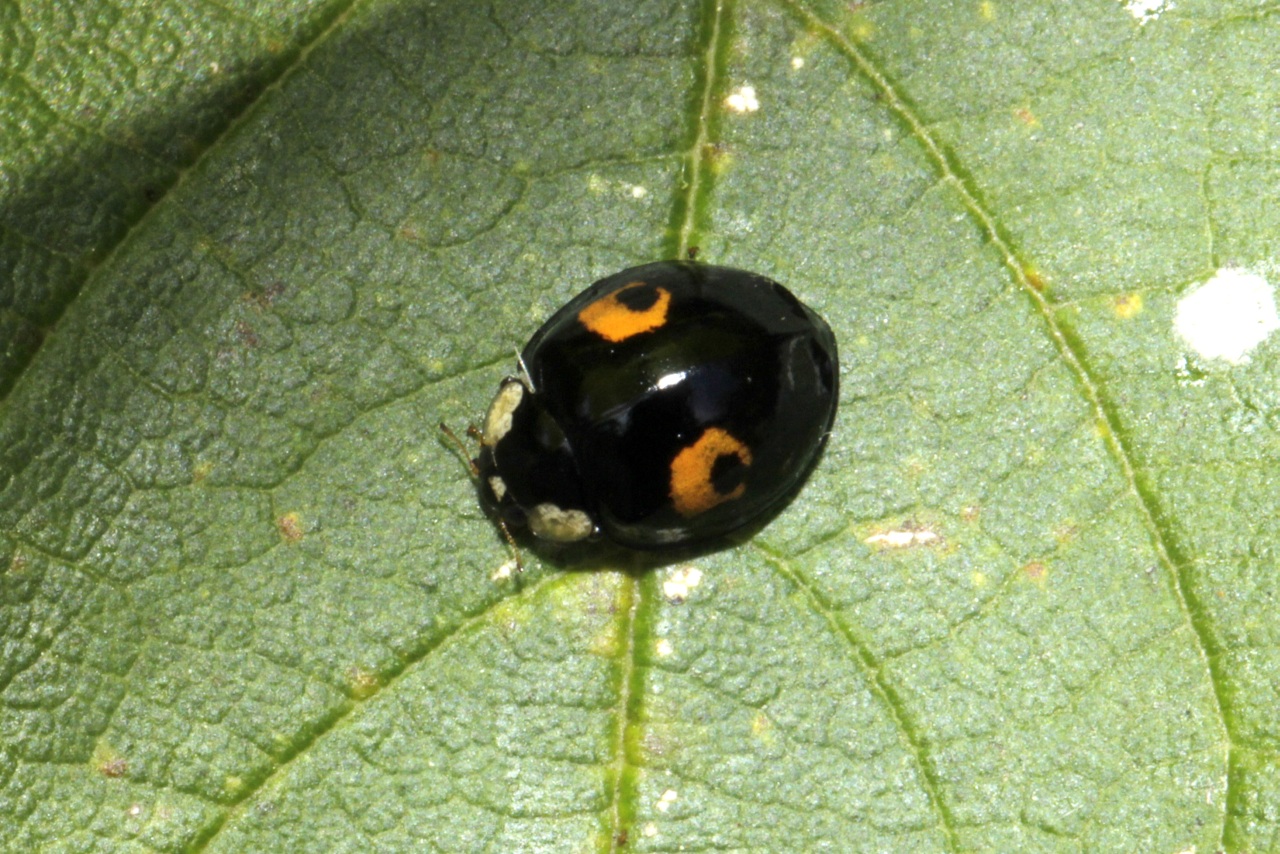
column 559, row 524
column 497, row 422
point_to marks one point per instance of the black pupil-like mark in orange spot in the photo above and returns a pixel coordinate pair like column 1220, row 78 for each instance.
column 637, row 296
column 727, row 473
column 709, row 472
column 632, row 309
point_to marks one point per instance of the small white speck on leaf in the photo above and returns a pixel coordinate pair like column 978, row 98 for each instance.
column 666, row 800
column 902, row 538
column 504, row 572
column 1147, row 10
column 1227, row 316
column 742, row 100
column 664, row 648
column 797, row 62
column 680, row 583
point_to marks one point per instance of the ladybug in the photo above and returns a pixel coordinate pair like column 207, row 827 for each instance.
column 666, row 405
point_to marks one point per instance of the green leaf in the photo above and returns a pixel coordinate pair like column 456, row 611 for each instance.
column 252, row 254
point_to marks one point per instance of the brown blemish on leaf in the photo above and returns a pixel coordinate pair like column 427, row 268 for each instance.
column 1028, row 118
column 717, row 156
column 1066, row 533
column 114, row 768
column 1035, row 571
column 290, row 527
column 1034, row 279
column 363, row 683
column 1128, row 305
column 266, row 297
column 247, row 336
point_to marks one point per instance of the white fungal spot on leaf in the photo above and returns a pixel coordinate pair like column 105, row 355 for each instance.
column 1227, row 316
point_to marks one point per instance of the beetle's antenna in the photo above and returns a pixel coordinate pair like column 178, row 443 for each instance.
column 462, row 449
column 511, row 544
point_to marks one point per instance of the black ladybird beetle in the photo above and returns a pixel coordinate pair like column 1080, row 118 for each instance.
column 666, row 405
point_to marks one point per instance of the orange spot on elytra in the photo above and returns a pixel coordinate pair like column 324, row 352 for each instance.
column 692, row 488
column 613, row 320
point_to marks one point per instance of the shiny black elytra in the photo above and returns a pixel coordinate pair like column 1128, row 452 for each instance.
column 665, row 405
